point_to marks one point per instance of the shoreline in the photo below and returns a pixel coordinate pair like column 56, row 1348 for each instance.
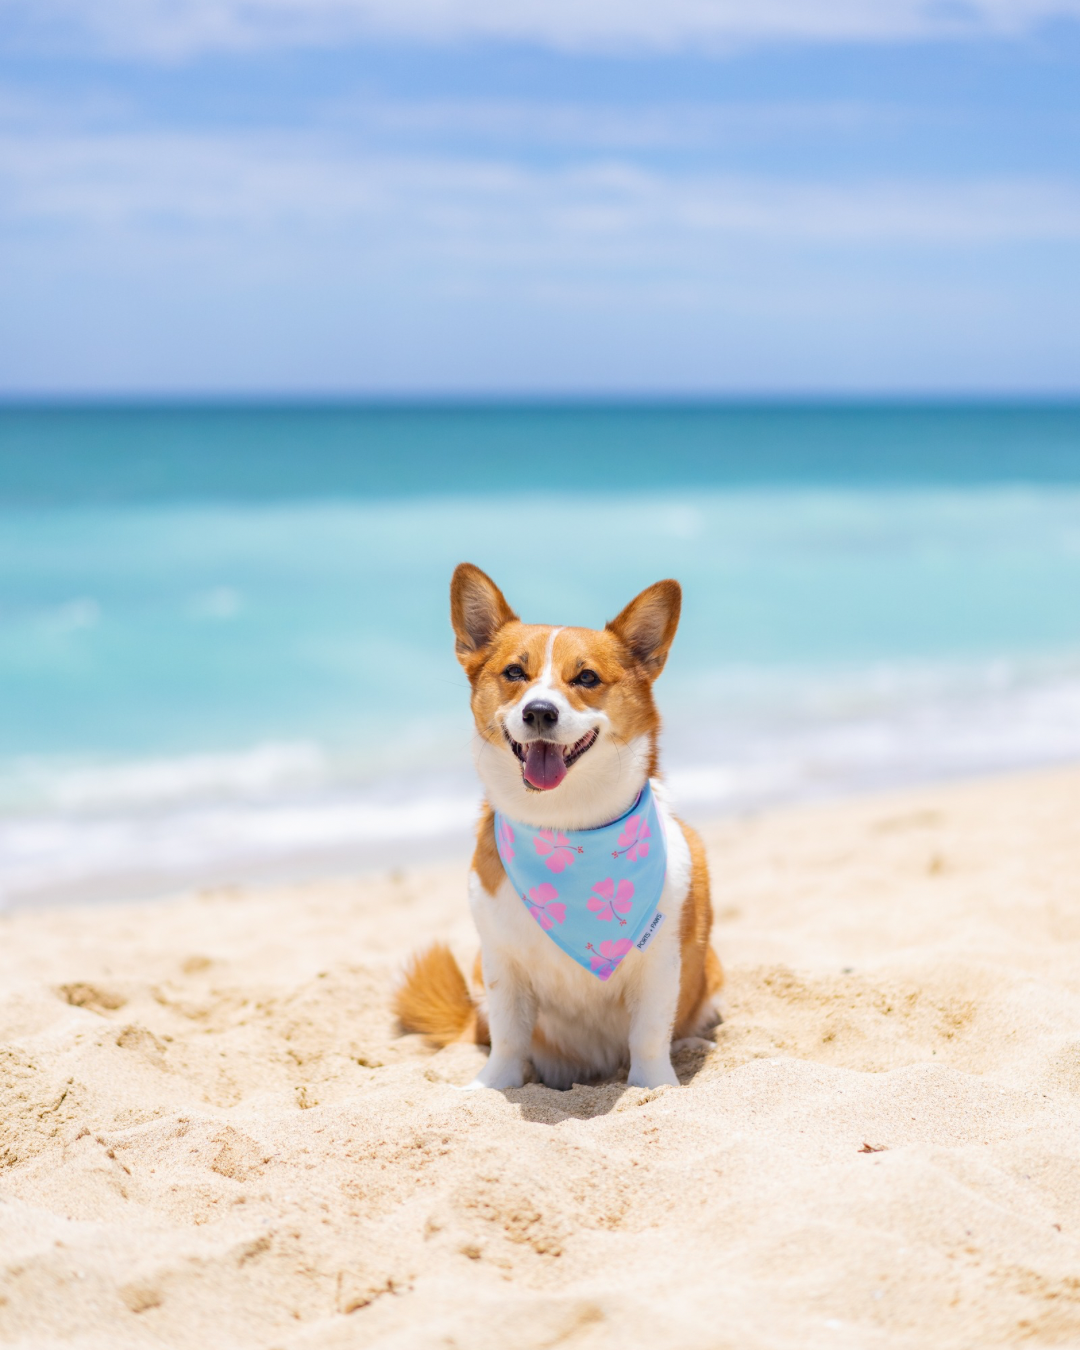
column 209, row 1132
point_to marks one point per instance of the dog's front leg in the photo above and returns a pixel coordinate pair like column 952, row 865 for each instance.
column 511, row 1010
column 652, row 1013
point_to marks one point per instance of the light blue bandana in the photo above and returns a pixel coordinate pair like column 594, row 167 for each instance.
column 593, row 892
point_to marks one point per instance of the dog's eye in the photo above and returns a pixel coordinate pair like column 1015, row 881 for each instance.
column 588, row 679
column 514, row 673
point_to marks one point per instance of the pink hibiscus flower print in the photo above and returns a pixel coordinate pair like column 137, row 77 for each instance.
column 505, row 840
column 634, row 839
column 608, row 901
column 604, row 961
column 545, row 906
column 555, row 849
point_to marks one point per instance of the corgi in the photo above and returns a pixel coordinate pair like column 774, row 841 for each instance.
column 566, row 742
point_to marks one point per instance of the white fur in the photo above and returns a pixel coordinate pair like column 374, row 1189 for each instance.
column 529, row 982
column 549, row 657
column 599, row 787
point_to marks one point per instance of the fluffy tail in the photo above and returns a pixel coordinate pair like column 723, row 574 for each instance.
column 434, row 1000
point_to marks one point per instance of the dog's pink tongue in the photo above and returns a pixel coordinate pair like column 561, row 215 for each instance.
column 545, row 767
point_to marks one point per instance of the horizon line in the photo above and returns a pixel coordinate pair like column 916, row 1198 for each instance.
column 478, row 400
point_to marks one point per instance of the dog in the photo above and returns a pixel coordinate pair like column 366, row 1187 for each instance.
column 606, row 960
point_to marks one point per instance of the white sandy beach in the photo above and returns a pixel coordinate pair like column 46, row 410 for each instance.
column 211, row 1137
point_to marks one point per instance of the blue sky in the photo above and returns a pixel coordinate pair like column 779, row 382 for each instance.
column 705, row 196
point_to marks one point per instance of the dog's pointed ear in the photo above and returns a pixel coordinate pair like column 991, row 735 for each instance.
column 646, row 627
column 478, row 610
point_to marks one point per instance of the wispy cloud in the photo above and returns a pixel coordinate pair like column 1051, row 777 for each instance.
column 516, row 125
column 156, row 183
column 175, row 29
column 682, row 126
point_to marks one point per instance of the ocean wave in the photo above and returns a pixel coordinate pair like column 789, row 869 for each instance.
column 53, row 783
column 52, row 855
column 852, row 756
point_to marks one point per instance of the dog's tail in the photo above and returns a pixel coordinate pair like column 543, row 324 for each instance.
column 434, row 1000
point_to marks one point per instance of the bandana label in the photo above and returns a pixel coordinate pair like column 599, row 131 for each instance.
column 650, row 932
column 593, row 892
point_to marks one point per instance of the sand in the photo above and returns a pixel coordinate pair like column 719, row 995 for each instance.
column 211, row 1137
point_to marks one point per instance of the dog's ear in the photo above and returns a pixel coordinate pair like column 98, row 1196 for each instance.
column 478, row 610
column 646, row 627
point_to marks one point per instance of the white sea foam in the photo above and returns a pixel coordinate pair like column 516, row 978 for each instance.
column 57, row 784
column 41, row 854
column 879, row 727
column 871, row 752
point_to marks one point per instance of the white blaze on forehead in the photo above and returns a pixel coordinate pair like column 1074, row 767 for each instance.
column 549, row 655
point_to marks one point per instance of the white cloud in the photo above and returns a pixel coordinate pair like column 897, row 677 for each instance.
column 174, row 29
column 176, row 186
column 514, row 123
column 683, row 126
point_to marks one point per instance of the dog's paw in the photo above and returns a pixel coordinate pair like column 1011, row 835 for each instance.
column 657, row 1073
column 692, row 1043
column 711, row 1017
column 497, row 1077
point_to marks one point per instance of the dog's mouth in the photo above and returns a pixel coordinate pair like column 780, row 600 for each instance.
column 544, row 764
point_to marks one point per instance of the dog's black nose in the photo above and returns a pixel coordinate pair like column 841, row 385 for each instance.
column 540, row 714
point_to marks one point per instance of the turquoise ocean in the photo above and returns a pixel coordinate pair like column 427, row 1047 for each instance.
column 225, row 651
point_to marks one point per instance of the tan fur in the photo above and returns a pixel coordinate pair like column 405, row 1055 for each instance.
column 434, row 1000
column 701, row 974
column 486, row 861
